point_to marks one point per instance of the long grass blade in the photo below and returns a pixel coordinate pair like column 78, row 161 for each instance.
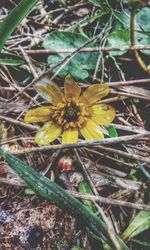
column 13, row 19
column 58, row 196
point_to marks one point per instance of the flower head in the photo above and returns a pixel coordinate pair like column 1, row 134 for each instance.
column 70, row 112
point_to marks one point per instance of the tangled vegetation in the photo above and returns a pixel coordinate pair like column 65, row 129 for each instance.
column 81, row 180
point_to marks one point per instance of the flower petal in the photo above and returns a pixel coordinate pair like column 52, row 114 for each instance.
column 41, row 114
column 71, row 89
column 94, row 93
column 70, row 136
column 102, row 114
column 91, row 131
column 48, row 133
column 49, row 91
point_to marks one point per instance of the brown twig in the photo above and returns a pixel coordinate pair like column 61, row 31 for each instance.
column 105, row 218
column 85, row 172
column 99, row 49
column 103, row 200
column 113, row 92
column 103, row 155
column 110, row 201
column 15, row 139
column 134, row 129
column 107, row 141
column 124, row 154
column 61, row 62
column 111, row 84
column 18, row 123
column 131, row 82
column 28, row 61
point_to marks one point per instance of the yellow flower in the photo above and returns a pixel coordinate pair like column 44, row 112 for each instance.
column 70, row 112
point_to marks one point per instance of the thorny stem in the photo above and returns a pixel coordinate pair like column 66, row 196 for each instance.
column 133, row 41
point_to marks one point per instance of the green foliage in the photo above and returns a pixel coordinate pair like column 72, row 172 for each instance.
column 119, row 39
column 76, row 248
column 58, row 196
column 10, row 59
column 80, row 65
column 134, row 3
column 137, row 3
column 132, row 174
column 85, row 188
column 13, row 19
column 136, row 100
column 95, row 2
column 142, row 243
column 120, row 35
column 90, row 19
column 112, row 131
column 143, row 32
column 140, row 223
column 29, row 191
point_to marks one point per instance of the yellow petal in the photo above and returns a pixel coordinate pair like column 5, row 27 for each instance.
column 91, row 131
column 70, row 136
column 94, row 93
column 102, row 114
column 41, row 114
column 48, row 133
column 71, row 89
column 49, row 91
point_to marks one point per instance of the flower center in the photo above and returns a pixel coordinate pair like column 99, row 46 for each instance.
column 71, row 113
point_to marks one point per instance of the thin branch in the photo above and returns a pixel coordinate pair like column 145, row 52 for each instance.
column 103, row 200
column 131, row 82
column 106, row 219
column 120, row 139
column 111, row 84
column 103, row 155
column 133, row 129
column 60, row 63
column 130, row 95
column 124, row 154
column 110, row 201
column 99, row 49
column 28, row 61
column 18, row 123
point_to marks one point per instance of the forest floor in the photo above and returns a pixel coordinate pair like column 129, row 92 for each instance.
column 94, row 42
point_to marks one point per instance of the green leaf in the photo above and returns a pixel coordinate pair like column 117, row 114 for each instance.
column 136, row 100
column 139, row 224
column 112, row 131
column 58, row 196
column 10, row 59
column 29, row 191
column 77, row 248
column 120, row 35
column 132, row 174
column 87, row 20
column 95, row 2
column 119, row 39
column 85, row 188
column 142, row 243
column 143, row 32
column 134, row 3
column 13, row 19
column 80, row 64
column 142, row 19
